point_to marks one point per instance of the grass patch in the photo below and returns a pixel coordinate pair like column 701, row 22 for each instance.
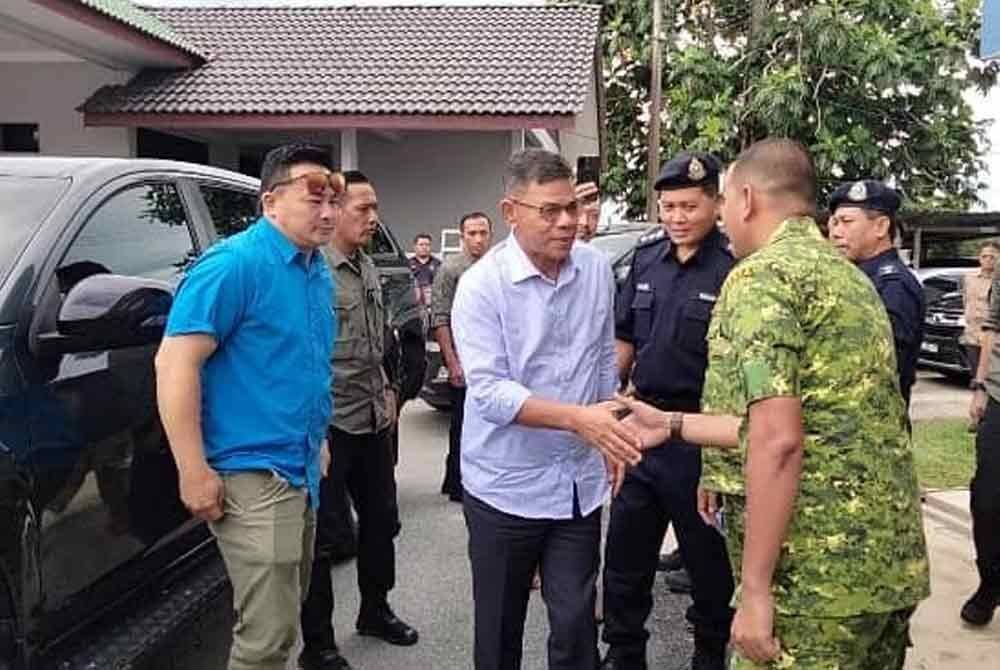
column 945, row 453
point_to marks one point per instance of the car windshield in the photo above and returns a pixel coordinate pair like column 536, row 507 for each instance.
column 24, row 204
column 614, row 245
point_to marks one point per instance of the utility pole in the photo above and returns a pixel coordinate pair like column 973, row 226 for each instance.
column 655, row 105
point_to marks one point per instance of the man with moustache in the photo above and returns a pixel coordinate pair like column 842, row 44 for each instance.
column 360, row 445
column 660, row 329
column 534, row 327
column 863, row 226
column 476, row 230
column 253, row 314
column 807, row 436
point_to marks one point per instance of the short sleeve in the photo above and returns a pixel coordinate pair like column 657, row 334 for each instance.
column 768, row 336
column 212, row 297
column 623, row 306
column 992, row 322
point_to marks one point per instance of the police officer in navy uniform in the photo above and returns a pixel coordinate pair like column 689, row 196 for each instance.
column 863, row 227
column 661, row 326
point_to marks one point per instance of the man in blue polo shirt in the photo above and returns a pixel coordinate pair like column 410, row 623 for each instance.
column 243, row 382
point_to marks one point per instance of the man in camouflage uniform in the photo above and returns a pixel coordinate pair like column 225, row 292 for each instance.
column 821, row 505
column 476, row 230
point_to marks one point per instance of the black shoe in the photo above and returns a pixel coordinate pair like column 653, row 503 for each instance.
column 386, row 625
column 670, row 562
column 614, row 663
column 978, row 610
column 708, row 654
column 678, row 581
column 325, row 659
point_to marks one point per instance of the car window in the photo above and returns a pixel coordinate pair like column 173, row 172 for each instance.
column 24, row 204
column 232, row 210
column 141, row 231
column 381, row 242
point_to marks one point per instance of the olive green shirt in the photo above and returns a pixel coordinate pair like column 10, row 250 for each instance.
column 992, row 324
column 797, row 319
column 445, row 286
column 358, row 379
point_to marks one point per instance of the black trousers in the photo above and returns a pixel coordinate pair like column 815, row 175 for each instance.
column 504, row 551
column 361, row 465
column 985, row 494
column 453, row 463
column 661, row 490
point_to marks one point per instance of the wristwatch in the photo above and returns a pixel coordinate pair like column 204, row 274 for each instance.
column 676, row 425
column 977, row 385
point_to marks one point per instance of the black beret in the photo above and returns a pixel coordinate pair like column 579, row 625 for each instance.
column 868, row 194
column 688, row 169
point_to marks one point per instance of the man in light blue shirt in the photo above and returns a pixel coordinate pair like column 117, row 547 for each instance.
column 534, row 327
column 243, row 385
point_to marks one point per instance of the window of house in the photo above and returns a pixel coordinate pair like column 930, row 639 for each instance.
column 19, row 137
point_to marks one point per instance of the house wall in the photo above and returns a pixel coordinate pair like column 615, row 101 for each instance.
column 48, row 94
column 582, row 139
column 427, row 180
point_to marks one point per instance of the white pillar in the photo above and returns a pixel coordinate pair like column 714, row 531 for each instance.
column 349, row 149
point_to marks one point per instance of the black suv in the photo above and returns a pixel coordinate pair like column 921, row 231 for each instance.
column 944, row 323
column 99, row 561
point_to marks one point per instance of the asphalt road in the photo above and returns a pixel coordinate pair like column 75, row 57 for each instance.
column 433, row 590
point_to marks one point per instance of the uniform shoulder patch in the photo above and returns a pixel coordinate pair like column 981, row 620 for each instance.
column 651, row 238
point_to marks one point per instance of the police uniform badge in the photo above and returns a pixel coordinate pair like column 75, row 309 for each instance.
column 696, row 171
column 858, row 192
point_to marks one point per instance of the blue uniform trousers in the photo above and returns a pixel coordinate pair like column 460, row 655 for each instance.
column 661, row 490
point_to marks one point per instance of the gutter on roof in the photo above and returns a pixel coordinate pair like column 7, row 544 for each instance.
column 294, row 121
column 177, row 54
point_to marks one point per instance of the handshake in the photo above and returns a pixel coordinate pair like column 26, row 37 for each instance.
column 621, row 429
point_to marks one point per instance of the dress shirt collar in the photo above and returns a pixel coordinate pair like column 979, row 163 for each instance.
column 522, row 268
column 713, row 240
column 287, row 252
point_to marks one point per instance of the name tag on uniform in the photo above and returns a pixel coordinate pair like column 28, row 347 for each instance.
column 886, row 270
column 707, row 297
column 642, row 287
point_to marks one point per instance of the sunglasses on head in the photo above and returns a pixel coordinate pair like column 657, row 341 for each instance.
column 317, row 182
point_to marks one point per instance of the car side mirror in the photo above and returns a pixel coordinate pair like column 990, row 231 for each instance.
column 107, row 311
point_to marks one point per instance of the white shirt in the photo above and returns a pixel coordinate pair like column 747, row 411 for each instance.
column 520, row 334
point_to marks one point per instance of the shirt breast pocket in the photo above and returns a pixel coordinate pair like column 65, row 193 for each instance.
column 695, row 317
column 642, row 314
column 348, row 324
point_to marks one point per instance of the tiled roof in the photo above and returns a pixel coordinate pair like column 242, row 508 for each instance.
column 485, row 60
column 141, row 20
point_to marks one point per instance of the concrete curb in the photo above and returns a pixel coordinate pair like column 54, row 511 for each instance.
column 945, row 507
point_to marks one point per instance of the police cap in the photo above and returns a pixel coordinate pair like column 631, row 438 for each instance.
column 867, row 194
column 689, row 169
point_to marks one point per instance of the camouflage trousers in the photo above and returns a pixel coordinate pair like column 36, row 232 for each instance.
column 866, row 642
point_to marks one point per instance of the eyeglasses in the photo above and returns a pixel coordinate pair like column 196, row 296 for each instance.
column 550, row 211
column 317, row 182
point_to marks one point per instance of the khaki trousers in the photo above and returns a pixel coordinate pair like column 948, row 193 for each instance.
column 266, row 539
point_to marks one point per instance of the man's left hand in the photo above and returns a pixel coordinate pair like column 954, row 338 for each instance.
column 324, row 459
column 753, row 628
column 391, row 407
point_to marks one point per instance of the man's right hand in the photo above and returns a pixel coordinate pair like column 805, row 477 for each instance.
column 598, row 426
column 202, row 493
column 456, row 376
column 977, row 407
column 708, row 506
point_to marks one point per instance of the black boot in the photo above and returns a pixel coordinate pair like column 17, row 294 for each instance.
column 709, row 653
column 978, row 610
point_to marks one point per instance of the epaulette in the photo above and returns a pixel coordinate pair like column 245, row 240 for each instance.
column 649, row 239
column 888, row 270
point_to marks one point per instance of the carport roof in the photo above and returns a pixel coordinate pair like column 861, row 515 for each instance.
column 360, row 61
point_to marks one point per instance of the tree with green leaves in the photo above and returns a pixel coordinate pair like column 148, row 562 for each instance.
column 874, row 88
